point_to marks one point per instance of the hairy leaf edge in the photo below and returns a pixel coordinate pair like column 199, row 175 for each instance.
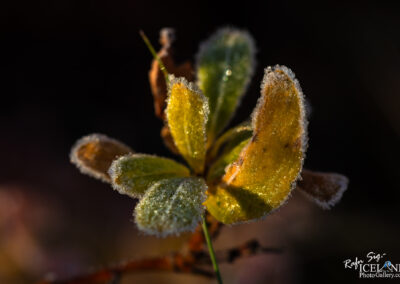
column 304, row 136
column 253, row 64
column 191, row 228
column 192, row 87
column 84, row 140
column 113, row 172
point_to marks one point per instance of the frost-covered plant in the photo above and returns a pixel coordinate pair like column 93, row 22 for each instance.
column 238, row 176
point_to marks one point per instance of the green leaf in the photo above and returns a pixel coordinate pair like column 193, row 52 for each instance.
column 227, row 148
column 134, row 174
column 230, row 139
column 262, row 177
column 187, row 113
column 217, row 169
column 225, row 64
column 171, row 206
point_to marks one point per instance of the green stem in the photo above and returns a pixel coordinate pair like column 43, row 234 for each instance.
column 211, row 250
column 155, row 55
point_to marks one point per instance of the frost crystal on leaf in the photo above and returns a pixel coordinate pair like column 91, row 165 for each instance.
column 251, row 169
column 325, row 189
column 262, row 177
column 225, row 64
column 134, row 174
column 187, row 114
column 94, row 153
column 171, row 206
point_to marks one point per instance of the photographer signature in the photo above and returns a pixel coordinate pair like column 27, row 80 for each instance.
column 371, row 256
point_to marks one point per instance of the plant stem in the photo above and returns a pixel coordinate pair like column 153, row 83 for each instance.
column 211, row 250
column 154, row 53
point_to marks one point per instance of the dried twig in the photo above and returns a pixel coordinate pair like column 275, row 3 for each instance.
column 193, row 260
column 173, row 263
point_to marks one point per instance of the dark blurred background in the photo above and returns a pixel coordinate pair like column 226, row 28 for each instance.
column 71, row 68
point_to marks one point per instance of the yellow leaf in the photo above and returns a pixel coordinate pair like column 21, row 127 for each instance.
column 187, row 112
column 261, row 179
column 217, row 169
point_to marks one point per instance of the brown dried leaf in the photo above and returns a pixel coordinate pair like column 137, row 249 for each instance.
column 156, row 77
column 168, row 140
column 157, row 81
column 93, row 155
column 325, row 189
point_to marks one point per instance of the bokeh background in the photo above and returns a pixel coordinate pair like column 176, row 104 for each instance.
column 71, row 68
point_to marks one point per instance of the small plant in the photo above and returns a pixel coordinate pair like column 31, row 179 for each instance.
column 240, row 175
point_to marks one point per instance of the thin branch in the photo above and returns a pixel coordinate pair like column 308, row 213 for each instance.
column 155, row 55
column 250, row 248
column 173, row 263
column 193, row 259
column 197, row 241
column 179, row 263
